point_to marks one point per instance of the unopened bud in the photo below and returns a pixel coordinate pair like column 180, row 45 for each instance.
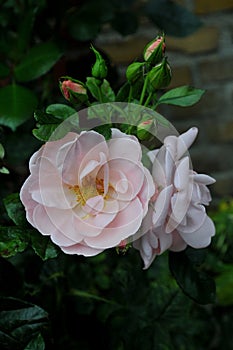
column 160, row 75
column 99, row 69
column 73, row 90
column 123, row 247
column 134, row 71
column 155, row 50
column 143, row 129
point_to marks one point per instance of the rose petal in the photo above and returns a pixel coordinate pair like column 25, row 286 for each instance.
column 81, row 249
column 161, row 206
column 185, row 140
column 178, row 244
column 51, row 191
column 61, row 240
column 124, row 149
column 45, row 226
column 202, row 237
column 195, row 217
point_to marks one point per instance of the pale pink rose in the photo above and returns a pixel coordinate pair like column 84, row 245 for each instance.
column 86, row 193
column 176, row 216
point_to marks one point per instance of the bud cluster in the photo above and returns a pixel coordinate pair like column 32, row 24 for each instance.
column 143, row 79
column 155, row 66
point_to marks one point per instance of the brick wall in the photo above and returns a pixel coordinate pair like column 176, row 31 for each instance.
column 204, row 60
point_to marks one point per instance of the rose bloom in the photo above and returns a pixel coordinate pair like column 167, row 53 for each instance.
column 86, row 193
column 176, row 216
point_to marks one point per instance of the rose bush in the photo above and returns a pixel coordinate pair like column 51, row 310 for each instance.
column 86, row 193
column 177, row 215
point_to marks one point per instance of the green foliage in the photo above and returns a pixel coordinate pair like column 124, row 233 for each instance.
column 196, row 284
column 15, row 239
column 181, row 96
column 37, row 62
column 221, row 257
column 49, row 120
column 15, row 209
column 19, row 323
column 17, row 104
column 37, row 343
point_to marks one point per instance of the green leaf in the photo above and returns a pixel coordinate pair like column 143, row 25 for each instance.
column 93, row 86
column 60, row 111
column 44, row 132
column 20, row 322
column 84, row 294
column 13, row 240
column 15, row 209
column 50, row 120
column 39, row 60
column 195, row 284
column 37, row 343
column 44, row 118
column 2, row 151
column 4, row 170
column 182, row 96
column 104, row 130
column 17, row 104
column 123, row 92
column 50, row 131
column 108, row 94
column 43, row 246
column 171, row 18
column 25, row 29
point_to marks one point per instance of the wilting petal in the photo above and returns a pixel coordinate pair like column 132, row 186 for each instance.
column 202, row 237
column 146, row 251
column 194, row 219
column 178, row 244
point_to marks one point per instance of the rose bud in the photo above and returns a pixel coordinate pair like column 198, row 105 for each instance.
column 155, row 50
column 143, row 129
column 134, row 71
column 160, row 76
column 73, row 90
column 99, row 69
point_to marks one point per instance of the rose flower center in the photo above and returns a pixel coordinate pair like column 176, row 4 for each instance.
column 90, row 188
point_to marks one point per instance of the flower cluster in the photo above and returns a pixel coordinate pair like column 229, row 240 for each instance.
column 90, row 192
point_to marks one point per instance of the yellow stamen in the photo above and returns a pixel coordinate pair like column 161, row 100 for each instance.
column 89, row 189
